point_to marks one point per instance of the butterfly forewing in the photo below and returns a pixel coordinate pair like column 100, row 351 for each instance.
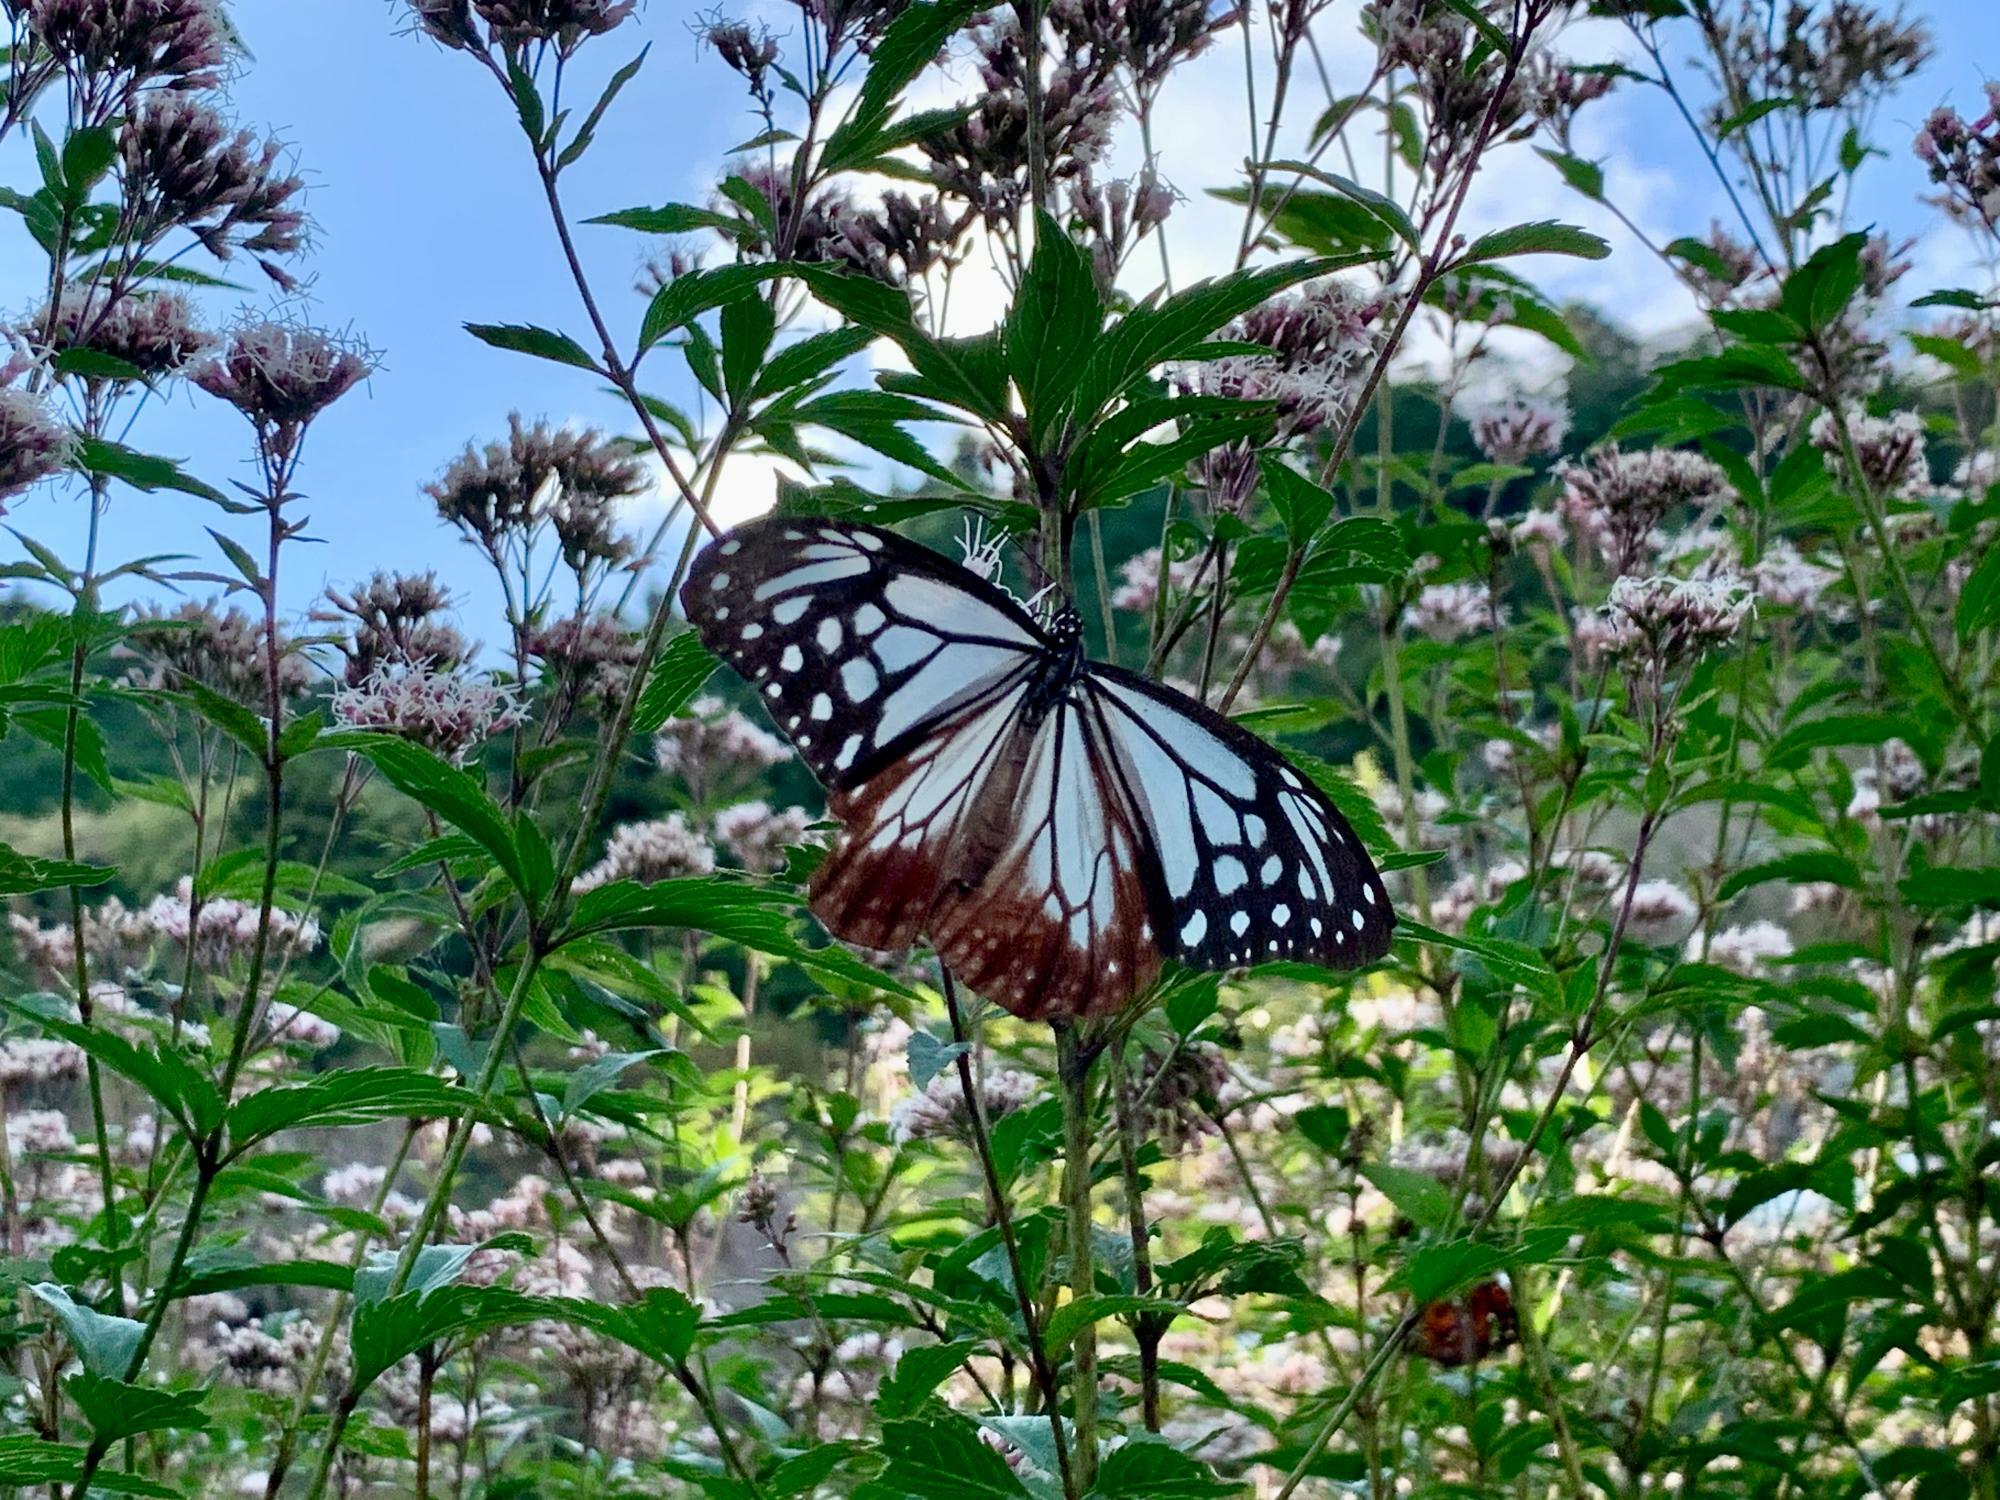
column 860, row 642
column 1252, row 862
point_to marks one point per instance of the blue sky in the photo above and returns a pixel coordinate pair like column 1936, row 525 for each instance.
column 428, row 217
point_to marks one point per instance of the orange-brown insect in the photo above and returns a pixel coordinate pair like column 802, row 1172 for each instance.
column 1464, row 1330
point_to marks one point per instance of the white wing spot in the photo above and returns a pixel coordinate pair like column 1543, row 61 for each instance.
column 1359, row 920
column 858, row 679
column 792, row 660
column 731, row 547
column 868, row 619
column 1229, row 874
column 1318, row 929
column 1281, row 914
column 1368, row 894
column 1196, row 929
column 719, row 582
column 899, row 646
column 1240, row 923
column 775, row 689
column 790, row 610
column 829, row 634
column 853, row 748
column 1273, row 867
column 751, row 632
column 1253, row 828
column 865, row 539
column 822, row 707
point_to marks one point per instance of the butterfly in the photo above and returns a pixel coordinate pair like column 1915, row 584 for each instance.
column 1053, row 826
column 1464, row 1330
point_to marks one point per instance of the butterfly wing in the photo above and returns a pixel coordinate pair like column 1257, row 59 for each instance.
column 899, row 678
column 1051, row 918
column 1251, row 862
column 862, row 644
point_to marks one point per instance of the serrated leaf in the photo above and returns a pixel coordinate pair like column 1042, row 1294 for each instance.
column 525, row 338
column 106, row 1344
column 1544, row 237
column 1422, row 1199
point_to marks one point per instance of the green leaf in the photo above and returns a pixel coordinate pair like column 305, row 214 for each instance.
column 87, row 155
column 143, row 471
column 26, row 1460
column 669, row 218
column 1381, row 207
column 1586, row 177
column 599, row 1074
column 1944, row 888
column 387, row 1331
column 24, row 874
column 1979, row 598
column 175, row 1084
column 945, row 1460
column 918, row 1373
column 1807, row 867
column 1149, row 1468
column 350, row 1096
column 1301, row 505
column 1052, row 326
column 1545, row 237
column 454, row 795
column 1444, row 1270
column 909, row 45
column 929, row 1056
column 1817, row 294
column 692, row 293
column 684, row 665
column 1069, row 1320
column 525, row 338
column 117, row 1410
column 104, row 1343
column 1421, row 1199
column 1513, row 962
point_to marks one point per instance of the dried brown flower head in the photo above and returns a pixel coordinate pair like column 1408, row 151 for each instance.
column 394, row 618
column 541, row 473
column 186, row 167
column 122, row 45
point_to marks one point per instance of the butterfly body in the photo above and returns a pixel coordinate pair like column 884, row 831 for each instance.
column 1053, row 826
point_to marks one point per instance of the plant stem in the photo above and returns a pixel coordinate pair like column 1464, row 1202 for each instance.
column 1073, row 1073
column 996, row 1195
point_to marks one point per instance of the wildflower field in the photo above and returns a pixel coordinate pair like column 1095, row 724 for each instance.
column 519, row 1028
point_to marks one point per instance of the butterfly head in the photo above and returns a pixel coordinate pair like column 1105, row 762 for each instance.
column 1067, row 626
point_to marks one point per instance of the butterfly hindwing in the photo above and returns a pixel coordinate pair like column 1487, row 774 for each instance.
column 904, row 831
column 1251, row 862
column 857, row 640
column 1057, row 921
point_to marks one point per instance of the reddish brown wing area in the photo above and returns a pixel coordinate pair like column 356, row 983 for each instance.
column 1464, row 1330
column 903, row 831
column 1013, row 849
column 1058, row 927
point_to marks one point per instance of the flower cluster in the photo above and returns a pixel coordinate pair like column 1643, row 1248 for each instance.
column 281, row 375
column 1964, row 160
column 1619, row 500
column 573, row 482
column 450, row 710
